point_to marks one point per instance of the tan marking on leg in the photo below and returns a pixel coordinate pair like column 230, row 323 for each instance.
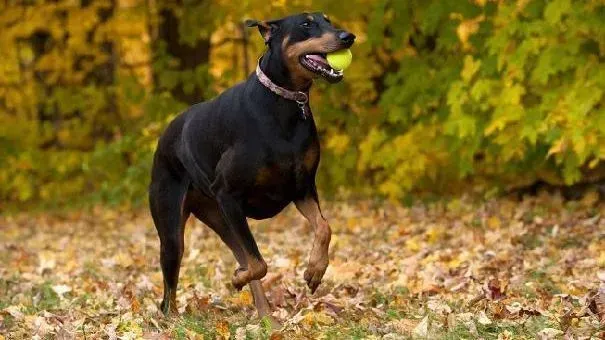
column 262, row 304
column 173, row 308
column 256, row 270
column 260, row 299
column 318, row 259
column 323, row 234
column 258, row 267
column 311, row 157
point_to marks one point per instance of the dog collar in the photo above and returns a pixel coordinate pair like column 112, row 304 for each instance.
column 301, row 98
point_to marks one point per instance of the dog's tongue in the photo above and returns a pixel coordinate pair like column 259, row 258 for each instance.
column 317, row 58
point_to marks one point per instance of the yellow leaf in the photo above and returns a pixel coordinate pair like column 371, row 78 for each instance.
column 601, row 259
column 468, row 28
column 339, row 143
column 123, row 259
column 431, row 258
column 558, row 147
column 434, row 234
column 494, row 222
column 590, row 198
column 244, row 298
column 319, row 318
column 454, row 262
column 470, row 68
column 352, row 223
column 222, row 328
column 412, row 244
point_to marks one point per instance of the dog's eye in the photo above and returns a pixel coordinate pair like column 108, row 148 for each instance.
column 306, row 24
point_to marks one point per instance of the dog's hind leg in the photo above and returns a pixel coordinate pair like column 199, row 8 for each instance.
column 166, row 201
column 207, row 211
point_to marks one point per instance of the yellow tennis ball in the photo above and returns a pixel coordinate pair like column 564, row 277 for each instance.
column 340, row 60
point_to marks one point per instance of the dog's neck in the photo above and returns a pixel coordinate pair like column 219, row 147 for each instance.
column 301, row 98
column 273, row 66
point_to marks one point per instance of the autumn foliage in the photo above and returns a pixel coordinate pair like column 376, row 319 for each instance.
column 440, row 93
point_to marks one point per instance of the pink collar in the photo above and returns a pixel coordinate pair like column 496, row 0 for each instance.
column 301, row 98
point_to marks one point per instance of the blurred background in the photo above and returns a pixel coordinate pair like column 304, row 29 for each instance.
column 444, row 97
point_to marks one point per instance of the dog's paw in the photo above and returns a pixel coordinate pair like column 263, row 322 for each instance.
column 168, row 308
column 242, row 276
column 239, row 278
column 314, row 273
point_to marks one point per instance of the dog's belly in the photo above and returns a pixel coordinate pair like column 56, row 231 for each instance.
column 263, row 204
column 273, row 189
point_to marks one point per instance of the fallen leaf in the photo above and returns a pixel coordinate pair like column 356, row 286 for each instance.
column 549, row 334
column 222, row 328
column 243, row 298
column 14, row 311
column 492, row 289
column 317, row 318
column 61, row 290
column 483, row 319
column 422, row 329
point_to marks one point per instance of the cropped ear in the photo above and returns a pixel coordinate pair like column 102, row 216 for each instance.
column 266, row 28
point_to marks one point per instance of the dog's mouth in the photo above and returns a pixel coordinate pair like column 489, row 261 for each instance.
column 317, row 63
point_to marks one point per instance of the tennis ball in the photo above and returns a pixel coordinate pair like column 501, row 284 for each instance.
column 340, row 60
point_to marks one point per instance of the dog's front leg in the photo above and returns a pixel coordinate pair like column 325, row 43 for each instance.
column 318, row 259
column 255, row 267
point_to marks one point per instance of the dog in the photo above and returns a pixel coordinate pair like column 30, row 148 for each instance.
column 248, row 153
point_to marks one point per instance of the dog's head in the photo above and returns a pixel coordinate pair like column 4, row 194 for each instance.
column 302, row 42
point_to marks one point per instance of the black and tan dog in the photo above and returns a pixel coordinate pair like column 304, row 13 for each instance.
column 248, row 153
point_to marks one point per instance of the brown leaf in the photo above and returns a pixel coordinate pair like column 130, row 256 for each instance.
column 278, row 297
column 135, row 306
column 492, row 289
column 596, row 303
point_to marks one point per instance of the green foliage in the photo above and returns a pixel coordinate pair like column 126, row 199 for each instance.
column 440, row 93
column 504, row 93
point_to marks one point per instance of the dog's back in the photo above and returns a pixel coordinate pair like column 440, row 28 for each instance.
column 205, row 125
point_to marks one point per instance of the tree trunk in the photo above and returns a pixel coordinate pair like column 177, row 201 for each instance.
column 189, row 57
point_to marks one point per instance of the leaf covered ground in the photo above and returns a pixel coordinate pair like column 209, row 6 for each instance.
column 497, row 269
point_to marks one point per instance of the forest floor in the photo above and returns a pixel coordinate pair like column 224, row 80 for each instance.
column 496, row 269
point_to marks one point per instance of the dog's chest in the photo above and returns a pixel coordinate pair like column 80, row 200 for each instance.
column 283, row 169
column 285, row 157
column 279, row 181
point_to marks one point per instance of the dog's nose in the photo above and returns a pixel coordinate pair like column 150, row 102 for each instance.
column 346, row 37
